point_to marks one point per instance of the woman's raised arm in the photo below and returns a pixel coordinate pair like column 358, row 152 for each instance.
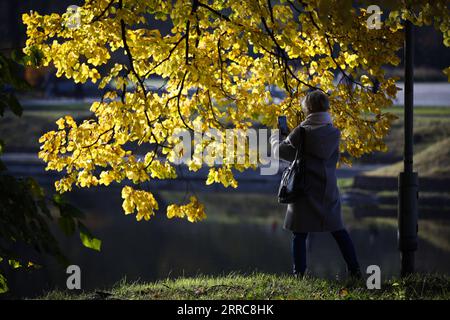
column 284, row 148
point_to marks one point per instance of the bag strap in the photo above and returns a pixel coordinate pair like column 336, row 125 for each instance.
column 303, row 140
column 301, row 147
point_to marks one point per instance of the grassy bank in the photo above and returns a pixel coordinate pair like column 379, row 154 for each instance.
column 433, row 161
column 431, row 125
column 266, row 286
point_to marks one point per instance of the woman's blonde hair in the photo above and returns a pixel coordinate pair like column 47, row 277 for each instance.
column 316, row 101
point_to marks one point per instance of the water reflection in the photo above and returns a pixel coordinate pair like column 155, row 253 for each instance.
column 243, row 233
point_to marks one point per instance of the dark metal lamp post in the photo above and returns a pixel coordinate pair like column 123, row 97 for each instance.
column 408, row 180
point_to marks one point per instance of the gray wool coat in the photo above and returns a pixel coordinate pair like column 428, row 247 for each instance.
column 320, row 209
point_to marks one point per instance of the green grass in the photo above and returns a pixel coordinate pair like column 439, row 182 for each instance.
column 434, row 160
column 431, row 134
column 267, row 286
column 422, row 111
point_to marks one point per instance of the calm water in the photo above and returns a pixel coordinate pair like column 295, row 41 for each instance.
column 232, row 239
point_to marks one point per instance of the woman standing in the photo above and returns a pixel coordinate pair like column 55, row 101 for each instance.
column 319, row 209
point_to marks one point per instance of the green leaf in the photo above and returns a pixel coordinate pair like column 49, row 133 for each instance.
column 35, row 188
column 42, row 205
column 14, row 264
column 3, row 284
column 72, row 211
column 58, row 199
column 3, row 104
column 66, row 209
column 11, row 72
column 87, row 239
column 34, row 58
column 33, row 265
column 19, row 57
column 13, row 104
column 67, row 225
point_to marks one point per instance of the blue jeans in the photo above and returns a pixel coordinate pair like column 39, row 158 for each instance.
column 343, row 240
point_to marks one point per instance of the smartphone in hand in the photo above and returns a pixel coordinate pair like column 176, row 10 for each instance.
column 282, row 125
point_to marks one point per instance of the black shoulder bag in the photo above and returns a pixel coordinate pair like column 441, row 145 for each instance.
column 293, row 179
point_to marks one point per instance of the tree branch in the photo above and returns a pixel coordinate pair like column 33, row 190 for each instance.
column 98, row 17
column 178, row 101
column 166, row 58
column 212, row 110
column 217, row 13
column 330, row 47
column 284, row 56
column 98, row 138
column 188, row 24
